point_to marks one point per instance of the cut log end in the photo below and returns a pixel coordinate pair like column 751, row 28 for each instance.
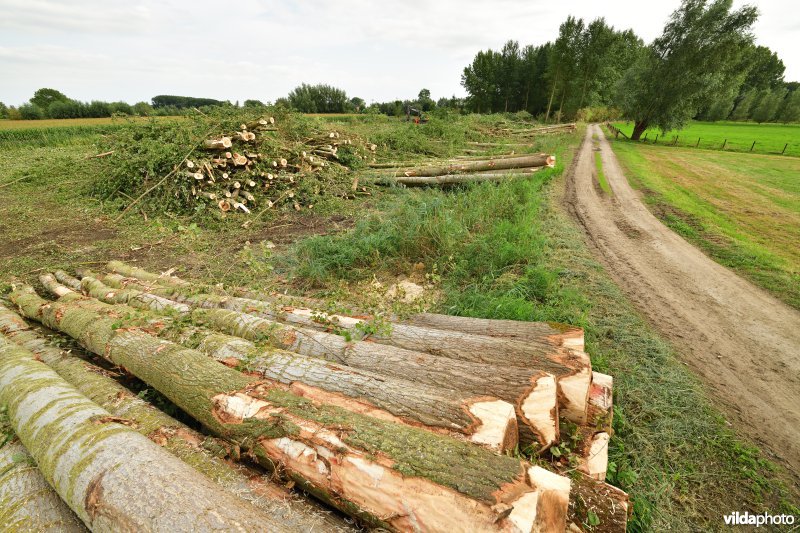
column 594, row 461
column 544, row 509
column 539, row 410
column 498, row 425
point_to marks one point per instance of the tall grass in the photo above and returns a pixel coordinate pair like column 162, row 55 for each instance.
column 54, row 137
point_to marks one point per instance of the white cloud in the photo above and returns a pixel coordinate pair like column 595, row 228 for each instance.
column 263, row 48
column 82, row 15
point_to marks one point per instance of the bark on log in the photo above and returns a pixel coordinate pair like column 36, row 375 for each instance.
column 558, row 334
column 453, row 179
column 174, row 436
column 99, row 466
column 486, row 421
column 573, row 368
column 533, row 391
column 127, row 270
column 526, row 161
column 483, row 420
column 134, row 298
column 388, row 473
column 27, row 503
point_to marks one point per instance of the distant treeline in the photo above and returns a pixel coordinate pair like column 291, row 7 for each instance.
column 50, row 103
column 705, row 65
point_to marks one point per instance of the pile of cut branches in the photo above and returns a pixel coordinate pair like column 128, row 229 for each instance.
column 231, row 162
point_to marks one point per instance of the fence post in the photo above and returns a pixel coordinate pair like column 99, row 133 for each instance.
column 784, row 148
column 698, row 142
column 752, row 145
column 723, row 144
column 656, row 141
column 645, row 137
column 675, row 143
column 616, row 134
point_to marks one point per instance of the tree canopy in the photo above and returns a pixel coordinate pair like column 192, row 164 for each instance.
column 704, row 65
column 319, row 98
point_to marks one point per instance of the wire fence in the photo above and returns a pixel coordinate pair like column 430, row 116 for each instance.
column 755, row 146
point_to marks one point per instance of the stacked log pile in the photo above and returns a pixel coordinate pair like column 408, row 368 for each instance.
column 406, row 427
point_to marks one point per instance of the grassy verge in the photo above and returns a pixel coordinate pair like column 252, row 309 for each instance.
column 742, row 210
column 601, row 177
column 728, row 136
column 508, row 251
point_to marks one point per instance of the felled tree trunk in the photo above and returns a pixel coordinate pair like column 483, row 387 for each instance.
column 535, row 393
column 486, row 421
column 483, row 420
column 387, row 473
column 455, row 179
column 532, row 390
column 27, row 503
column 573, row 372
column 98, row 466
column 558, row 334
column 134, row 298
column 144, row 275
column 174, row 436
column 223, row 143
column 526, row 161
column 573, row 368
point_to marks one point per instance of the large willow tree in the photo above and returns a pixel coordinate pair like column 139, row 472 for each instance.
column 697, row 58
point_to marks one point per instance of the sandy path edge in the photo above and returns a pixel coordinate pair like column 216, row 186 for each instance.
column 742, row 342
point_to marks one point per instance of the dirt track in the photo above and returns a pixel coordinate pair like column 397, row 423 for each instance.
column 744, row 343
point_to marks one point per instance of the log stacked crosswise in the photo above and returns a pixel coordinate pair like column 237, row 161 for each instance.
column 409, row 427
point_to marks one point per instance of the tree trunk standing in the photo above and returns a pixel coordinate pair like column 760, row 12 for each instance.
column 561, row 105
column 552, row 94
column 527, row 93
column 639, row 127
column 583, row 91
column 387, row 473
column 27, row 502
column 174, row 436
column 99, row 466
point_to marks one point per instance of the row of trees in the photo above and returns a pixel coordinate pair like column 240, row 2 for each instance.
column 555, row 79
column 323, row 98
column 51, row 103
column 704, row 65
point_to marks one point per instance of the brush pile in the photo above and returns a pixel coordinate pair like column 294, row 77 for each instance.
column 214, row 163
column 235, row 175
column 400, row 424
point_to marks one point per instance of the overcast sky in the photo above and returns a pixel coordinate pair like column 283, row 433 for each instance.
column 237, row 49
